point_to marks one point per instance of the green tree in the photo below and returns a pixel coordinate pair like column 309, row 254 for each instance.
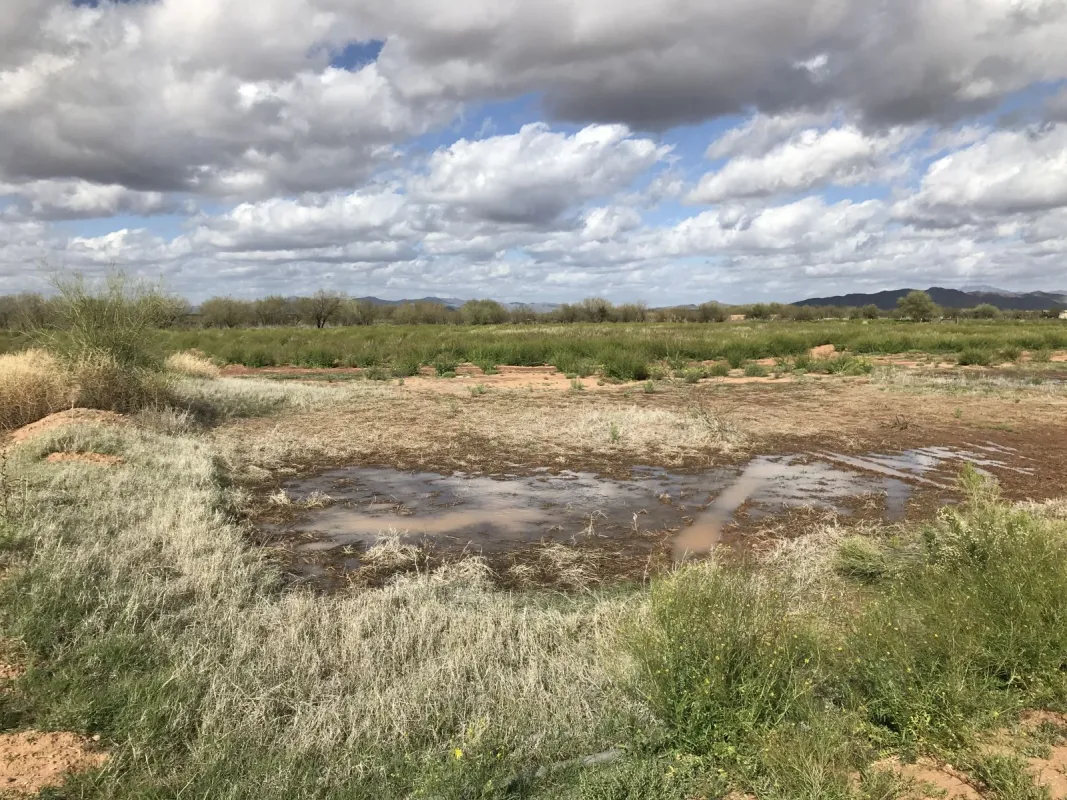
column 483, row 312
column 985, row 311
column 917, row 306
column 869, row 311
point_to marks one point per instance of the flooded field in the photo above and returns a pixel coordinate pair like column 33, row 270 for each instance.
column 334, row 517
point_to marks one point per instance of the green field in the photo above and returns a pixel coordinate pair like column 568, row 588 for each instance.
column 619, row 350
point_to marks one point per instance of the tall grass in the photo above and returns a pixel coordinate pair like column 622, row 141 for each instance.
column 935, row 641
column 32, row 385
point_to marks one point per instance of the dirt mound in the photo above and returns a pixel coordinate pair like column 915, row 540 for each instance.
column 9, row 672
column 89, row 416
column 31, row 760
column 822, row 351
column 86, row 458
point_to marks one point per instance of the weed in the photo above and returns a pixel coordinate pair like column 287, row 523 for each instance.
column 650, row 387
column 974, row 357
column 577, row 385
column 478, row 391
column 722, row 660
column 719, row 370
column 754, row 370
column 1042, row 356
column 614, row 433
column 1009, row 353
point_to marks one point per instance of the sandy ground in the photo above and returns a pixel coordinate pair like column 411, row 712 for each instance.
column 31, row 760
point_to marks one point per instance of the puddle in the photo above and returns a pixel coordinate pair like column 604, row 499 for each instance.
column 510, row 511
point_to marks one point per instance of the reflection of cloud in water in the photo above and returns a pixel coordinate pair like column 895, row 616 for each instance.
column 502, row 512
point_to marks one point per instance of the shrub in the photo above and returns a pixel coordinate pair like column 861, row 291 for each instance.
column 973, row 356
column 192, row 363
column 625, row 366
column 103, row 382
column 32, row 385
column 1042, row 356
column 719, row 370
column 1009, row 353
column 754, row 370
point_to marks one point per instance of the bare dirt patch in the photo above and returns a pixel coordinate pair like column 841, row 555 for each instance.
column 929, row 779
column 31, row 760
column 99, row 459
column 80, row 416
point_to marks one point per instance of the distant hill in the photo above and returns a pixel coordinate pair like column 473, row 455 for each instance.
column 451, row 302
column 949, row 298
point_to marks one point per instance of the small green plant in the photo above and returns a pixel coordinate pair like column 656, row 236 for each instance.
column 754, row 370
column 1009, row 353
column 445, row 364
column 692, row 375
column 1042, row 356
column 614, row 434
column 650, row 387
column 477, row 391
column 719, row 370
column 577, row 385
column 958, row 413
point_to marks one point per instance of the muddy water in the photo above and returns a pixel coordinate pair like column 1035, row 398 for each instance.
column 509, row 511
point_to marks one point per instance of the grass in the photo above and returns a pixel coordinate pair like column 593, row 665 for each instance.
column 620, row 351
column 32, row 385
column 145, row 617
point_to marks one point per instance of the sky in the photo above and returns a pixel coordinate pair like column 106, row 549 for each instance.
column 665, row 151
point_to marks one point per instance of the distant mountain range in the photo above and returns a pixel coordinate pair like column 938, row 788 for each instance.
column 950, row 298
column 455, row 302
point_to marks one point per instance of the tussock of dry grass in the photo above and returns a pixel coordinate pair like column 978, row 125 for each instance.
column 429, row 663
column 32, row 385
column 193, row 364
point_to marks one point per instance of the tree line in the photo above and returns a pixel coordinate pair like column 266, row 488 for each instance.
column 329, row 308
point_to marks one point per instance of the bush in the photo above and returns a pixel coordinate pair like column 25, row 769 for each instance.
column 625, row 366
column 973, row 356
column 105, row 383
column 32, row 385
column 192, row 363
column 1009, row 353
column 755, row 370
column 719, row 370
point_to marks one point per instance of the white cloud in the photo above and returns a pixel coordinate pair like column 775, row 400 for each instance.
column 844, row 156
column 536, row 175
column 1007, row 172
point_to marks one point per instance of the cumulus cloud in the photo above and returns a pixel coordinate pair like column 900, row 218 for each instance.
column 534, row 176
column 1005, row 173
column 295, row 165
column 844, row 156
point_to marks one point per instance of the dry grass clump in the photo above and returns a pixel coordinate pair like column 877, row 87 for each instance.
column 193, row 364
column 32, row 386
column 105, row 383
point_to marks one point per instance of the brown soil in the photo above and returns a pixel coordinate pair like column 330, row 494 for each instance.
column 72, row 416
column 31, row 760
column 930, row 779
column 85, row 458
column 9, row 672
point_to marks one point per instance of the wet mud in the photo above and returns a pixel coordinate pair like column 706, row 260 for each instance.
column 326, row 523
